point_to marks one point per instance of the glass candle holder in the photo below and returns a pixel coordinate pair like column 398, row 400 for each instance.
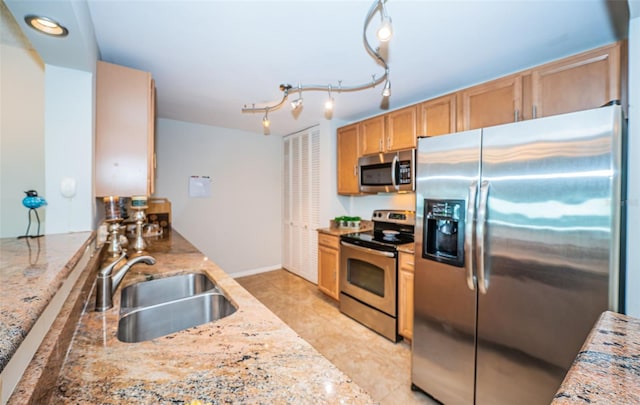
column 111, row 208
column 139, row 201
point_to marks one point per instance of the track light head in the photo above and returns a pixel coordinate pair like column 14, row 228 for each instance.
column 296, row 104
column 328, row 105
column 386, row 91
column 385, row 31
column 266, row 123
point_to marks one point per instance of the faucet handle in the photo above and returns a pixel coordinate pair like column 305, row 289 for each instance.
column 107, row 270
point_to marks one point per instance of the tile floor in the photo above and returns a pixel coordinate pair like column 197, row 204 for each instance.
column 373, row 362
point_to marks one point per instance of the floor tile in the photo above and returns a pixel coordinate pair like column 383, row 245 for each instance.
column 373, row 362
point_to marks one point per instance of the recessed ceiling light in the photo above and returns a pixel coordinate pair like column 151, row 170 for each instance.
column 46, row 26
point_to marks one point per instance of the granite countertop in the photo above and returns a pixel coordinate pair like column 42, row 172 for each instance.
column 31, row 272
column 250, row 356
column 607, row 368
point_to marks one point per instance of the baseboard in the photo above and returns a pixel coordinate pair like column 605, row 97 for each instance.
column 259, row 270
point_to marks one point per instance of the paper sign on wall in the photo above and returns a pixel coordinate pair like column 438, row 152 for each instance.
column 200, row 186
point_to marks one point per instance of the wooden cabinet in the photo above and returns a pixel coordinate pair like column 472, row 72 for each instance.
column 402, row 128
column 347, row 165
column 405, row 294
column 329, row 264
column 493, row 103
column 437, row 116
column 372, row 134
column 581, row 82
column 125, row 116
column 389, row 132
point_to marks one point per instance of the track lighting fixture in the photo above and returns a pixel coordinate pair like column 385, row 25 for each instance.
column 328, row 105
column 386, row 91
column 266, row 124
column 295, row 104
column 384, row 33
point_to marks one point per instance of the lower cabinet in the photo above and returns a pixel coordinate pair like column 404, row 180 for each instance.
column 405, row 295
column 329, row 264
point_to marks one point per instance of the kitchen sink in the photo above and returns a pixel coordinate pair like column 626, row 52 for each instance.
column 173, row 316
column 155, row 308
column 165, row 289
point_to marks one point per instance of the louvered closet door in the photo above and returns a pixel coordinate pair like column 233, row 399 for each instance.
column 301, row 203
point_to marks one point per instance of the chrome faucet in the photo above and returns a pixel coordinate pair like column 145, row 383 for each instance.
column 107, row 283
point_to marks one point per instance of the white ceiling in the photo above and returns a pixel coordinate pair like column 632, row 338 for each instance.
column 209, row 58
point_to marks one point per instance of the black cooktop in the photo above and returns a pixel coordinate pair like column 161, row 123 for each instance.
column 379, row 240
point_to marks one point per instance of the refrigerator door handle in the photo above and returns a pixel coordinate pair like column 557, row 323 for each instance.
column 481, row 236
column 468, row 235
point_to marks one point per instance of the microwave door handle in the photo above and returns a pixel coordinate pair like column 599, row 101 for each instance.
column 469, row 253
column 395, row 172
column 372, row 251
column 481, row 237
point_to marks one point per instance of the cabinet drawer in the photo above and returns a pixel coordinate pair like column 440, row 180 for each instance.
column 405, row 261
column 329, row 240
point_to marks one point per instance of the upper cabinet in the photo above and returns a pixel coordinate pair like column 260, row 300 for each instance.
column 584, row 81
column 392, row 131
column 437, row 116
column 348, row 154
column 125, row 116
column 372, row 136
column 402, row 128
column 581, row 82
column 492, row 103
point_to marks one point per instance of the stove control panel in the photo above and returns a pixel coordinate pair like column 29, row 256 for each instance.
column 394, row 216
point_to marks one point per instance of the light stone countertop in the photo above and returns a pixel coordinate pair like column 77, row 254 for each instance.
column 31, row 273
column 607, row 368
column 250, row 356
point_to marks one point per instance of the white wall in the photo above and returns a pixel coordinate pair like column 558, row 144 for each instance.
column 633, row 173
column 21, row 136
column 69, row 129
column 239, row 227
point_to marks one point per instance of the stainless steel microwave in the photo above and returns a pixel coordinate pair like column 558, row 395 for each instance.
column 387, row 172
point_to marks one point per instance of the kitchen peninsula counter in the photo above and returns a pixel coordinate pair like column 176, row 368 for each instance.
column 250, row 356
column 607, row 368
column 31, row 273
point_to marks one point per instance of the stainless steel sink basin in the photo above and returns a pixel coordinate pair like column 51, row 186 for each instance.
column 155, row 308
column 162, row 319
column 165, row 289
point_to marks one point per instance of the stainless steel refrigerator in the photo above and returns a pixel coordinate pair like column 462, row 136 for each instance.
column 517, row 250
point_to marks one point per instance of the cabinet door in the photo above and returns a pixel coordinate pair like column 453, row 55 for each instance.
column 401, row 129
column 493, row 103
column 581, row 82
column 405, row 295
column 328, row 267
column 124, row 155
column 347, row 169
column 437, row 116
column 372, row 135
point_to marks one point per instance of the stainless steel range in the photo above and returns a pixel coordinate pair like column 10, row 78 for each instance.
column 369, row 271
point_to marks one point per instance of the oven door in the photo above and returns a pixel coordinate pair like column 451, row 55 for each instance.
column 369, row 276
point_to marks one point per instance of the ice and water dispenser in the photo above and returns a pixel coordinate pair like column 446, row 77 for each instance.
column 444, row 231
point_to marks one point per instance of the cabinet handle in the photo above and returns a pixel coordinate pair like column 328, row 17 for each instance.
column 516, row 114
column 380, row 145
column 535, row 112
column 388, row 142
column 355, row 170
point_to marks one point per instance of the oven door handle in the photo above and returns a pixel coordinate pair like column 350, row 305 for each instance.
column 368, row 250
